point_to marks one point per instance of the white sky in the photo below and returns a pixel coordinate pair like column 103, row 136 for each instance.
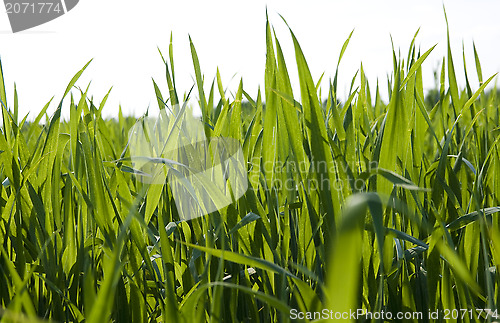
column 123, row 36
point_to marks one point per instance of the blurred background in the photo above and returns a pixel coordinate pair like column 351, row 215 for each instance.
column 123, row 38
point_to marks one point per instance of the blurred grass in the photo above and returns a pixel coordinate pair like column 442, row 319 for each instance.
column 353, row 205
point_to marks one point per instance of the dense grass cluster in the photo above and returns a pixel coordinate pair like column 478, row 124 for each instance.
column 388, row 206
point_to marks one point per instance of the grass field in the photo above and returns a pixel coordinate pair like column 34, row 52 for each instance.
column 363, row 204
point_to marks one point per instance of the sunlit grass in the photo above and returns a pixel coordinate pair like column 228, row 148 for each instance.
column 351, row 205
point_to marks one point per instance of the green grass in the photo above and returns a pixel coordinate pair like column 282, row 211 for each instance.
column 409, row 223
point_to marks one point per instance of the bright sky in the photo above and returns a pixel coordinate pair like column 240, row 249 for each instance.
column 122, row 37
